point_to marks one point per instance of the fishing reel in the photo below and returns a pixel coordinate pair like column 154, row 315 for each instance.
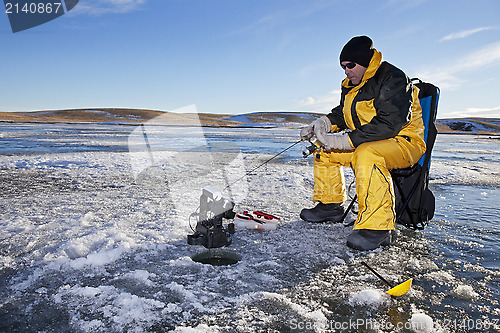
column 210, row 231
column 314, row 146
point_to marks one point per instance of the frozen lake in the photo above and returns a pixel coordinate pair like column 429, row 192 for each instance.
column 94, row 219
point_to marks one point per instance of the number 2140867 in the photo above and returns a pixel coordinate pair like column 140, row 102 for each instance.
column 33, row 8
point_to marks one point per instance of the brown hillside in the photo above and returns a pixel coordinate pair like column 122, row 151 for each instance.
column 136, row 116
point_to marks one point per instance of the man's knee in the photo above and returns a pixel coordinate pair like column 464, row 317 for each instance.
column 370, row 150
column 364, row 157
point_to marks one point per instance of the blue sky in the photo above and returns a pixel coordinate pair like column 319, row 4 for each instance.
column 241, row 56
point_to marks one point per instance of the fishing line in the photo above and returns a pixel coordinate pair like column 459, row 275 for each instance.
column 265, row 162
column 246, row 174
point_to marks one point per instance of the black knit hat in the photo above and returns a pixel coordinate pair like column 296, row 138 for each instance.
column 359, row 50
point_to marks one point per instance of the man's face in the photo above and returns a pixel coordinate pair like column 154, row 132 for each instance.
column 354, row 74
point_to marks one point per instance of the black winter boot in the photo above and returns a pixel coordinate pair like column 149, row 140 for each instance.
column 366, row 239
column 331, row 212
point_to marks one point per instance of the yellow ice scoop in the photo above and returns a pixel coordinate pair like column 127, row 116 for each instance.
column 398, row 290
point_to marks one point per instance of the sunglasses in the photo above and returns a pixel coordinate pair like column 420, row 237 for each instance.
column 349, row 65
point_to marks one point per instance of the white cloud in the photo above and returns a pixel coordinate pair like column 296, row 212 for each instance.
column 448, row 77
column 442, row 78
column 101, row 7
column 483, row 57
column 464, row 33
column 323, row 103
column 493, row 112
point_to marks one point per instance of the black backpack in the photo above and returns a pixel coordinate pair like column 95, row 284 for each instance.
column 415, row 202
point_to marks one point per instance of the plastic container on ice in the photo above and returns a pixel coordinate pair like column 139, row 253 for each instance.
column 257, row 221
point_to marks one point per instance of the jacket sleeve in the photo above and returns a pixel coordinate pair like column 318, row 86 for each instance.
column 393, row 110
column 336, row 117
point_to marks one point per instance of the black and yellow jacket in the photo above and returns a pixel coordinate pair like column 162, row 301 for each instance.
column 383, row 105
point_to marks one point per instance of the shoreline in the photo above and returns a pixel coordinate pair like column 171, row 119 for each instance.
column 138, row 123
column 134, row 124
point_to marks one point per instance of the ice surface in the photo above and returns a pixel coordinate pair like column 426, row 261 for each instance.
column 440, row 277
column 465, row 292
column 370, row 297
column 84, row 233
column 421, row 323
column 201, row 328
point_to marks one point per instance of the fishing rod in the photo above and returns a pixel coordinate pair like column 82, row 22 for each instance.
column 265, row 162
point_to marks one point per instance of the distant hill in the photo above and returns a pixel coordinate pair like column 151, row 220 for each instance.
column 256, row 119
column 273, row 119
column 80, row 116
column 469, row 125
column 116, row 117
column 137, row 116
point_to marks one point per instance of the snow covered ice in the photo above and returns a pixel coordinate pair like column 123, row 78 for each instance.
column 91, row 242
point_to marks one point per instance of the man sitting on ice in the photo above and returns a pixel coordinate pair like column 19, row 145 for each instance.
column 381, row 113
